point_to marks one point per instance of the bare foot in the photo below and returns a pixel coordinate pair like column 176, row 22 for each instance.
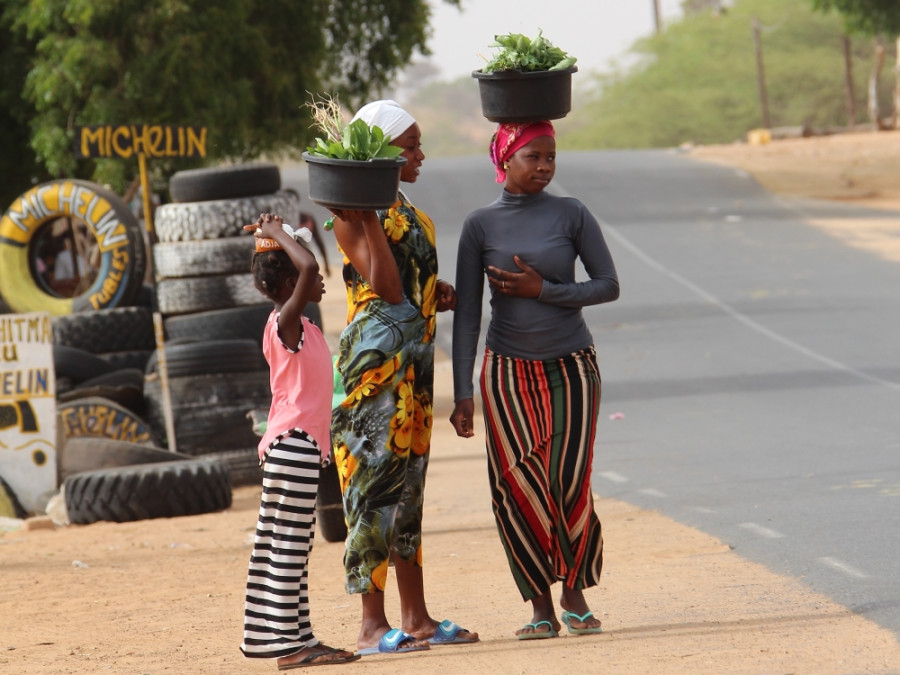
column 319, row 655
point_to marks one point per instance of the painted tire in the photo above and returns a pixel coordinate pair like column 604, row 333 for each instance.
column 98, row 417
column 119, row 237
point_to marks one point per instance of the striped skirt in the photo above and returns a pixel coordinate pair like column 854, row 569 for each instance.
column 276, row 608
column 541, row 419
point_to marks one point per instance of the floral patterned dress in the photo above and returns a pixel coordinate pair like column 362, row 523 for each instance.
column 381, row 431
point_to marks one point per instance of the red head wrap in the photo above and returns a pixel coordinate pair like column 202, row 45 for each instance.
column 510, row 137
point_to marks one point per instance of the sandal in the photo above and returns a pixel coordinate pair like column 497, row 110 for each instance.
column 334, row 656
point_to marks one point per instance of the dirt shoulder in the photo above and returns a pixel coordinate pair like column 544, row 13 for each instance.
column 166, row 596
column 853, row 168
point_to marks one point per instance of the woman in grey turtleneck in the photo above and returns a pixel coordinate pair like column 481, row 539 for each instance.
column 540, row 383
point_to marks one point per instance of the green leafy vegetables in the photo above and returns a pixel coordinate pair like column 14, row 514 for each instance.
column 518, row 52
column 356, row 140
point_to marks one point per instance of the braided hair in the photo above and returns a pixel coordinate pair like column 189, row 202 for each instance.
column 271, row 270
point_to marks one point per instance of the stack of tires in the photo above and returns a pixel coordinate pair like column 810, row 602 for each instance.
column 107, row 457
column 212, row 313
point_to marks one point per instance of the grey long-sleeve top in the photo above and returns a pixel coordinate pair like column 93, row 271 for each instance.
column 548, row 233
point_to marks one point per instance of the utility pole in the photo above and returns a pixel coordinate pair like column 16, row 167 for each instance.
column 848, row 81
column 657, row 16
column 761, row 75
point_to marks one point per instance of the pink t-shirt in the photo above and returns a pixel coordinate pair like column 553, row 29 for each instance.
column 302, row 382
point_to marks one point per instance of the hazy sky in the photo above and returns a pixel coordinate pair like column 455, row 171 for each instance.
column 593, row 31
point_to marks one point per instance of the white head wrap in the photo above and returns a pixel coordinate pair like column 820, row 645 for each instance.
column 387, row 115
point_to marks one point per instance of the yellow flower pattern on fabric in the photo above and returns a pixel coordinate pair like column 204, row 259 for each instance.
column 346, row 465
column 396, row 225
column 402, row 423
column 364, row 295
column 429, row 307
column 426, row 223
column 381, row 432
column 422, row 424
column 379, row 576
column 371, row 380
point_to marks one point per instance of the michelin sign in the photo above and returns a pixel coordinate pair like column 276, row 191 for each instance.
column 27, row 412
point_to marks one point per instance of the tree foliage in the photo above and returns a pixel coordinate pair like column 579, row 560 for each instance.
column 697, row 81
column 866, row 17
column 242, row 68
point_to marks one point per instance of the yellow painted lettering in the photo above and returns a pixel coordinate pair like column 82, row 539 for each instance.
column 124, row 148
column 197, row 142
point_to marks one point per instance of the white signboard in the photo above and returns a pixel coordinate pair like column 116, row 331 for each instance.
column 28, row 409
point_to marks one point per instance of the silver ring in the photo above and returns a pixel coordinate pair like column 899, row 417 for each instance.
column 503, row 285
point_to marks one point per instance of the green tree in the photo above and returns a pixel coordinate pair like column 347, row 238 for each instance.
column 868, row 17
column 242, row 68
column 18, row 164
column 697, row 82
column 877, row 19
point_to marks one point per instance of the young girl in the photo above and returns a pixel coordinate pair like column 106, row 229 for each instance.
column 276, row 610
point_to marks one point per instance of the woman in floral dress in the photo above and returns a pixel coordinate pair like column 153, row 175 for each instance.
column 381, row 432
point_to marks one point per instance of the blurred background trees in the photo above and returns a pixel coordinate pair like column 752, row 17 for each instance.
column 245, row 69
column 242, row 68
column 879, row 21
column 696, row 82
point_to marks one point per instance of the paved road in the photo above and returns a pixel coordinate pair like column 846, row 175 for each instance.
column 751, row 363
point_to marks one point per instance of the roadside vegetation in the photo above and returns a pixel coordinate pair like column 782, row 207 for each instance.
column 699, row 81
column 240, row 68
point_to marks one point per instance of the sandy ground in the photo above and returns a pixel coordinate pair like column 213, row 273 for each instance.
column 166, row 596
column 858, row 168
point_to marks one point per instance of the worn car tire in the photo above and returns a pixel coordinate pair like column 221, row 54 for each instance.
column 209, row 411
column 243, row 465
column 199, row 294
column 221, row 218
column 210, row 356
column 124, row 386
column 78, row 365
column 131, row 359
column 234, row 323
column 145, row 491
column 115, row 329
column 176, row 259
column 85, row 453
column 224, row 182
column 330, row 521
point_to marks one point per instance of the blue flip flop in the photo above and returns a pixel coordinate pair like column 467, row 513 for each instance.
column 447, row 633
column 551, row 632
column 567, row 618
column 391, row 643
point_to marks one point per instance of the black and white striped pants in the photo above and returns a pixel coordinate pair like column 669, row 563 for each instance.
column 276, row 609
